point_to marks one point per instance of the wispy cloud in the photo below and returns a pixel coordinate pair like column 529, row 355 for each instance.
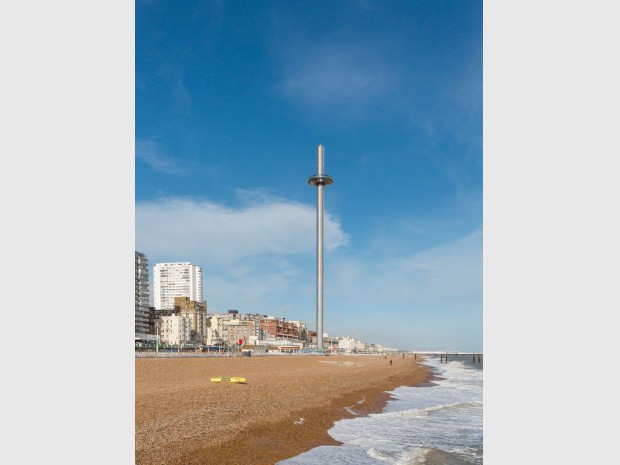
column 151, row 153
column 428, row 292
column 450, row 271
column 339, row 77
column 181, row 94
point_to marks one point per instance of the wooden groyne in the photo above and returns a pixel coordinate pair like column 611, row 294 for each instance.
column 444, row 357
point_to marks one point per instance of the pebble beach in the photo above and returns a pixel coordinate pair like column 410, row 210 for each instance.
column 284, row 408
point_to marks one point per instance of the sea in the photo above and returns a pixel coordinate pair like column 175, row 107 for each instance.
column 438, row 423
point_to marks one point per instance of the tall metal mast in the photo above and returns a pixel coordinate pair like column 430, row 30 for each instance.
column 319, row 180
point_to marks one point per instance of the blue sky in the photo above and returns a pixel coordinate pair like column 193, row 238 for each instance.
column 232, row 99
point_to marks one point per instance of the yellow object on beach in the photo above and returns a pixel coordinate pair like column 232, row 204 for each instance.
column 233, row 379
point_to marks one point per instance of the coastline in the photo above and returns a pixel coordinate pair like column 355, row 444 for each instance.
column 285, row 408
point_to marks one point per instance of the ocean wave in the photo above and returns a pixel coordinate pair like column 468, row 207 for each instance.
column 415, row 456
column 431, row 425
column 421, row 412
column 375, row 453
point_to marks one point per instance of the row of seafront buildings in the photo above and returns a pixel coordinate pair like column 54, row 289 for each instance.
column 179, row 316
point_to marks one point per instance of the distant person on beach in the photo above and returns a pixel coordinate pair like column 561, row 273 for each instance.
column 390, row 362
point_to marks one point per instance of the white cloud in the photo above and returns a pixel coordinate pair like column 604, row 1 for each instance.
column 220, row 235
column 260, row 257
column 255, row 256
column 151, row 153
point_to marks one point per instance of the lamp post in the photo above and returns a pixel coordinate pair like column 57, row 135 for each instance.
column 157, row 334
column 319, row 180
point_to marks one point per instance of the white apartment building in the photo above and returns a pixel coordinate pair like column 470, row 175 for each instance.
column 347, row 343
column 172, row 280
column 174, row 329
column 142, row 296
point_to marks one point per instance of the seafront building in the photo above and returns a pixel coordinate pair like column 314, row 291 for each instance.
column 214, row 330
column 174, row 329
column 196, row 313
column 231, row 326
column 172, row 280
column 141, row 296
column 346, row 343
column 179, row 317
column 255, row 329
column 278, row 328
column 350, row 344
column 237, row 330
column 302, row 330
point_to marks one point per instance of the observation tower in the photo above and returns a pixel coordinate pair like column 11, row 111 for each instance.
column 319, row 180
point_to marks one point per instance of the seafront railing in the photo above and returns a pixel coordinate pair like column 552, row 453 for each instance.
column 207, row 354
column 166, row 354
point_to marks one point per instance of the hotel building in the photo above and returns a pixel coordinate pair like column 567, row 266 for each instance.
column 172, row 280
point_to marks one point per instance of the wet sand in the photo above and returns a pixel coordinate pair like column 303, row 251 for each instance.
column 285, row 407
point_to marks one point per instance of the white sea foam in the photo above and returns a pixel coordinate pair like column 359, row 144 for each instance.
column 416, row 456
column 440, row 424
column 378, row 454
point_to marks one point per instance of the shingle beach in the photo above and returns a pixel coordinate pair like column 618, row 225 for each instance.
column 284, row 408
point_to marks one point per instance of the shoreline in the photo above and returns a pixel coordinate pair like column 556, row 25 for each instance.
column 285, row 408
